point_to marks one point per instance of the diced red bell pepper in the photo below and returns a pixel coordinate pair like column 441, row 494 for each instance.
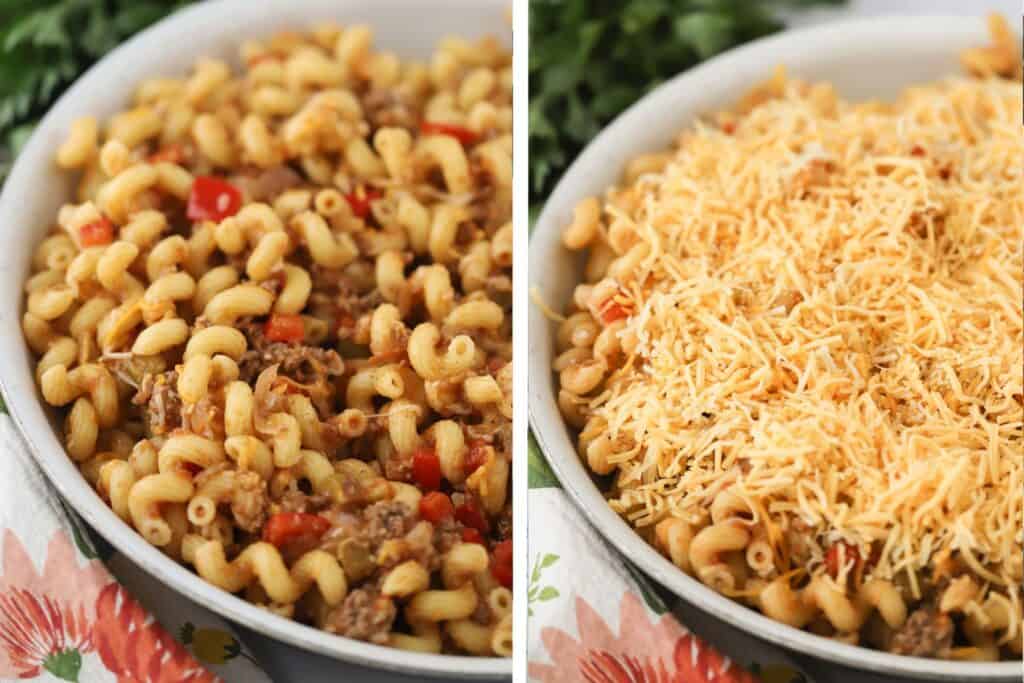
column 360, row 201
column 470, row 535
column 212, row 199
column 613, row 311
column 460, row 133
column 426, row 468
column 436, row 506
column 96, row 233
column 471, row 517
column 501, row 563
column 475, row 456
column 285, row 527
column 834, row 563
column 284, row 327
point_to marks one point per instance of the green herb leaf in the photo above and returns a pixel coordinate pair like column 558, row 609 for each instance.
column 138, row 15
column 47, row 44
column 19, row 136
column 44, row 28
column 707, row 33
column 99, row 36
column 591, row 59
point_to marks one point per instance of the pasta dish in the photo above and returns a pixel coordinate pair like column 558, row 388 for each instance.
column 796, row 354
column 278, row 316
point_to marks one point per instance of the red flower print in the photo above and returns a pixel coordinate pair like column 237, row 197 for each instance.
column 604, row 667
column 46, row 615
column 641, row 651
column 40, row 633
column 697, row 661
column 136, row 648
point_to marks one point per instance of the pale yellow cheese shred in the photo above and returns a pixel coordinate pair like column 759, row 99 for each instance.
column 828, row 322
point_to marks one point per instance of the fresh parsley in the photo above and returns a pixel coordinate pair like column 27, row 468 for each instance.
column 46, row 44
column 590, row 59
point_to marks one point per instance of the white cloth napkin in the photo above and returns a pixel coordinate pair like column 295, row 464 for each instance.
column 595, row 618
column 68, row 609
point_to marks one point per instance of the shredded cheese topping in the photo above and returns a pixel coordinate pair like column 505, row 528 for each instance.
column 828, row 323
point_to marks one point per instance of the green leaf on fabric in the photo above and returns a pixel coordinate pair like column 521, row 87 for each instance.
column 648, row 591
column 89, row 543
column 82, row 540
column 535, row 591
column 548, row 560
column 549, row 593
column 539, row 474
column 65, row 664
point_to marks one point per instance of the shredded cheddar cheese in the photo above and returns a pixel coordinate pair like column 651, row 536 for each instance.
column 828, row 322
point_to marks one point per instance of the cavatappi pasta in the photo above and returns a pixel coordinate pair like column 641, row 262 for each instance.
column 797, row 354
column 278, row 316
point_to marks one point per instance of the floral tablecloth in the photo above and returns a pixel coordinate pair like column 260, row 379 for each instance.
column 72, row 609
column 596, row 619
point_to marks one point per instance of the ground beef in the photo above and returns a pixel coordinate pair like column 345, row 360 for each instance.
column 447, row 533
column 365, row 614
column 294, row 500
column 420, row 546
column 397, row 467
column 343, row 296
column 249, row 501
column 159, row 393
column 329, row 281
column 331, row 436
column 385, row 521
column 799, row 541
column 503, row 525
column 267, row 185
column 132, row 370
column 486, row 209
column 927, row 633
column 204, row 418
column 483, row 613
column 387, row 108
column 310, row 369
column 274, row 283
column 304, row 364
column 496, row 431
